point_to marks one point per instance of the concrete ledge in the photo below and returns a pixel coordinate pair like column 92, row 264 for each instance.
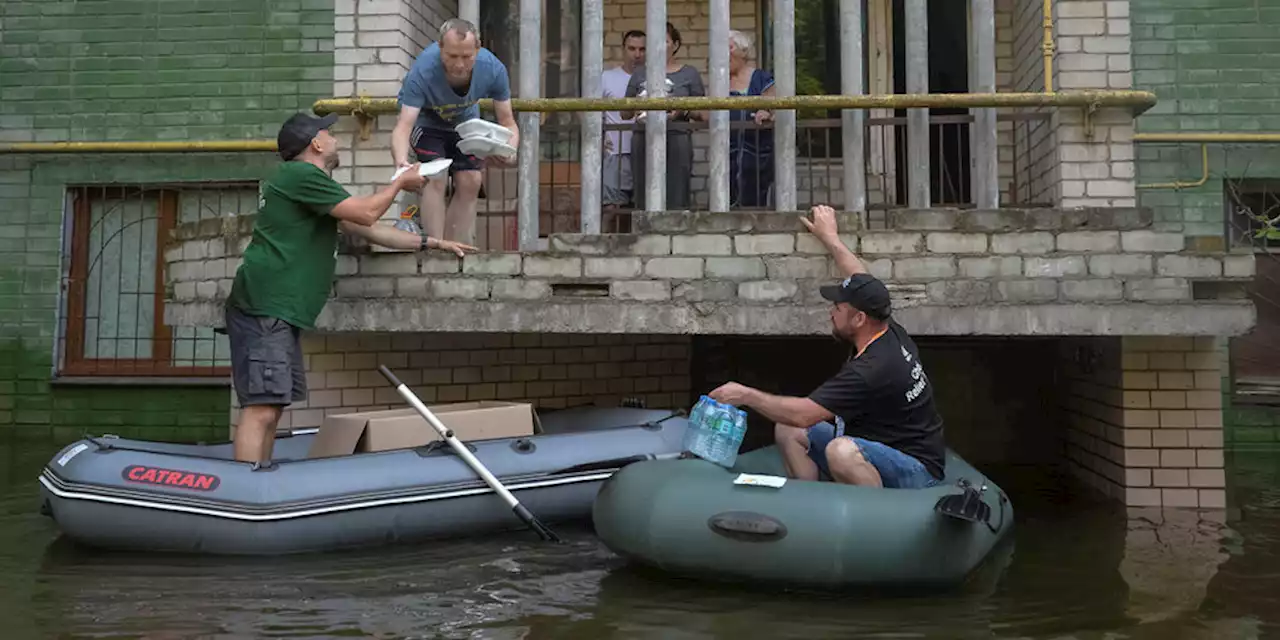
column 1215, row 319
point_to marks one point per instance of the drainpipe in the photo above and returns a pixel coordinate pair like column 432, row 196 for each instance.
column 530, row 153
column 1047, row 46
column 984, row 162
column 469, row 10
column 655, row 122
column 718, row 155
column 592, row 121
column 784, row 132
column 853, row 133
column 918, row 176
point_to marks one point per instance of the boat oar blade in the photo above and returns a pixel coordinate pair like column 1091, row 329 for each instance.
column 447, row 435
column 535, row 524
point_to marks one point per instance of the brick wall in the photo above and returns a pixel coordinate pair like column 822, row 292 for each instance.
column 1213, row 66
column 1093, row 52
column 691, row 17
column 1032, row 144
column 1145, row 419
column 226, row 69
column 376, row 43
column 551, row 371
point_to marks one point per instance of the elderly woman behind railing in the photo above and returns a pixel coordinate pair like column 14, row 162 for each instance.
column 750, row 150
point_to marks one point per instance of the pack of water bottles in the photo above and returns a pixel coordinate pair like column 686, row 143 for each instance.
column 715, row 431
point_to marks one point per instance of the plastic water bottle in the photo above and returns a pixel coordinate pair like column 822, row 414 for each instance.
column 709, row 435
column 691, row 435
column 738, row 433
column 723, row 429
column 406, row 221
column 716, row 431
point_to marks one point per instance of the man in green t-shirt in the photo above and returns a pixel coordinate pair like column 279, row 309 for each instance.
column 288, row 270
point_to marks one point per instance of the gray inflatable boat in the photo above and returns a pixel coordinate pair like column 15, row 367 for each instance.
column 118, row 493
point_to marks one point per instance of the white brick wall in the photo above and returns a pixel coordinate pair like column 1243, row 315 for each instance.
column 376, row 42
column 1145, row 419
column 1094, row 53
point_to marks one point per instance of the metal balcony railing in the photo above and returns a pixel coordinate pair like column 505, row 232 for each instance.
column 819, row 171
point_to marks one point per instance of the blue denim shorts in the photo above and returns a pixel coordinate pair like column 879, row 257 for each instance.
column 897, row 469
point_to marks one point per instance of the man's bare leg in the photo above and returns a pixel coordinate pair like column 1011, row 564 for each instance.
column 793, row 442
column 460, row 218
column 848, row 465
column 256, row 433
column 432, row 207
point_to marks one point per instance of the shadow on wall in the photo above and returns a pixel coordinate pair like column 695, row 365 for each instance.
column 996, row 397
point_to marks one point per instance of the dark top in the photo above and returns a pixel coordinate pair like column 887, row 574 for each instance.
column 884, row 395
column 756, row 141
column 289, row 264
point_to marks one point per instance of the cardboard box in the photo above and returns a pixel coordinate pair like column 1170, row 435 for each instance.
column 343, row 434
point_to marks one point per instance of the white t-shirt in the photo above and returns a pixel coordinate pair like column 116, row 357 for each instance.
column 614, row 83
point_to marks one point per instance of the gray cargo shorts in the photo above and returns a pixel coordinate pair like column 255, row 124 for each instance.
column 266, row 359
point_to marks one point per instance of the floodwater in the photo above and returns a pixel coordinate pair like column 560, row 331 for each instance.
column 1076, row 569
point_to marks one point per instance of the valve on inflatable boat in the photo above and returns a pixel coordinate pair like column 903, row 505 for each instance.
column 967, row 505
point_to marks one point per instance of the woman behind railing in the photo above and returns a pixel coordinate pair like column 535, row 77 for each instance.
column 750, row 149
column 682, row 80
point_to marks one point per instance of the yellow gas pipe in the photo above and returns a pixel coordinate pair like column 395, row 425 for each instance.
column 1204, row 139
column 190, row 146
column 1047, row 46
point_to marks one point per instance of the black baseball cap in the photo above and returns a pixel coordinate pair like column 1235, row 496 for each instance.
column 863, row 292
column 298, row 132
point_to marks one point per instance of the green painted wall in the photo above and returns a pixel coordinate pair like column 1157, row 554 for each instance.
column 94, row 70
column 1252, row 428
column 1215, row 66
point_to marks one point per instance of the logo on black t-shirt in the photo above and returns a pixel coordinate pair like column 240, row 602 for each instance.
column 917, row 374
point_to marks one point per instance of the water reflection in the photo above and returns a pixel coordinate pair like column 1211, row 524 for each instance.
column 1077, row 568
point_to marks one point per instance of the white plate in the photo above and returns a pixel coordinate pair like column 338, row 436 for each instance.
column 481, row 128
column 486, row 147
column 433, row 169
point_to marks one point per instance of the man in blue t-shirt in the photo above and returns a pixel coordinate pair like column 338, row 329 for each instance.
column 441, row 91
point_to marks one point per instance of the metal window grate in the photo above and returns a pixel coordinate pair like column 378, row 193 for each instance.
column 1253, row 221
column 114, row 284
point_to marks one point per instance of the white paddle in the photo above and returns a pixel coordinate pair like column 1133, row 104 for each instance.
column 465, row 454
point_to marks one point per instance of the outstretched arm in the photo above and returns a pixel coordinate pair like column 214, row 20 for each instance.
column 823, row 227
column 393, row 238
column 365, row 210
column 797, row 412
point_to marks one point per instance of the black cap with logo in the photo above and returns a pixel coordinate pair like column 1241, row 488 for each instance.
column 863, row 292
column 298, row 132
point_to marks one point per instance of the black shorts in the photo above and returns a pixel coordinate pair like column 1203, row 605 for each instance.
column 266, row 359
column 433, row 144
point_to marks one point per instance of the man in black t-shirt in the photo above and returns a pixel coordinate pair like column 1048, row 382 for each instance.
column 874, row 422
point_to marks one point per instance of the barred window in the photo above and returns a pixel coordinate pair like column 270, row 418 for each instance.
column 113, row 312
column 1253, row 222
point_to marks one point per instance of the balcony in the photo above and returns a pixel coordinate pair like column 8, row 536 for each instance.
column 819, row 170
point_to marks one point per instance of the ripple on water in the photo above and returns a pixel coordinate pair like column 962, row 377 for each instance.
column 1069, row 574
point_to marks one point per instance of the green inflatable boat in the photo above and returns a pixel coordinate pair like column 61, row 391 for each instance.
column 698, row 519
